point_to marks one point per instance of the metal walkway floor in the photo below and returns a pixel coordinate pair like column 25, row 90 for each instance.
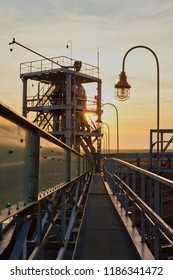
column 103, row 235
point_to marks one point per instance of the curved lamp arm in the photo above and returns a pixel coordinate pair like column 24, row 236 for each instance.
column 123, row 87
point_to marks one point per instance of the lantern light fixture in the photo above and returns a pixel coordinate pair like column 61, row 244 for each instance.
column 122, row 88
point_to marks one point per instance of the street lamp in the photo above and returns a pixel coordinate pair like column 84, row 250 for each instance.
column 122, row 91
column 108, row 136
column 122, row 87
column 116, row 110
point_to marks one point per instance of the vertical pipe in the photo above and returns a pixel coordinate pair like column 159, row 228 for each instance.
column 151, row 150
column 117, row 124
column 161, row 146
column 68, row 131
column 24, row 107
column 74, row 111
column 99, row 98
column 108, row 136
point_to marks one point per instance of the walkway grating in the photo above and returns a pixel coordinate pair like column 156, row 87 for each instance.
column 103, row 235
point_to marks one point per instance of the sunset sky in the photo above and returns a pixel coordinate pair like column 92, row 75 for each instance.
column 111, row 26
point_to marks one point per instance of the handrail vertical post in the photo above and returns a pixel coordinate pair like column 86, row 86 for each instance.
column 153, row 227
column 78, row 166
column 157, row 240
column 133, row 202
column 142, row 212
column 33, row 170
column 121, row 187
column 149, row 201
column 114, row 170
column 68, row 166
column 126, row 191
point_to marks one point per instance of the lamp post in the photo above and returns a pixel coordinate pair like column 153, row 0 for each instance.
column 108, row 136
column 67, row 46
column 116, row 110
column 106, row 142
column 122, row 91
column 122, row 88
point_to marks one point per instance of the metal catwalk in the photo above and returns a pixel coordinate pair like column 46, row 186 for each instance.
column 103, row 235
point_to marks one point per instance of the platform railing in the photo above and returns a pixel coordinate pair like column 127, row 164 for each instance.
column 135, row 189
column 43, row 186
column 44, row 65
column 33, row 163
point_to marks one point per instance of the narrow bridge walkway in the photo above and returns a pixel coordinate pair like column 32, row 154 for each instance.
column 103, row 235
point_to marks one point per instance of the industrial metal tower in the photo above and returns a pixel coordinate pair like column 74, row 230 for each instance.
column 60, row 103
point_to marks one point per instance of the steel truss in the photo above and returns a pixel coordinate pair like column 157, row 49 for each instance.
column 165, row 150
column 48, row 229
column 43, row 188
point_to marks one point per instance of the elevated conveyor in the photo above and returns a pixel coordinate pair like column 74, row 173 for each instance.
column 103, row 235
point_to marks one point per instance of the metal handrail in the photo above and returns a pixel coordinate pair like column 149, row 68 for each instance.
column 28, row 147
column 46, row 65
column 117, row 179
column 146, row 207
column 145, row 172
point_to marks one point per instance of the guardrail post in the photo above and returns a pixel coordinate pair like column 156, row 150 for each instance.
column 151, row 219
column 126, row 203
column 68, row 165
column 117, row 182
column 121, row 186
column 34, row 150
column 133, row 202
column 142, row 211
column 157, row 242
column 149, row 201
column 78, row 166
column 110, row 169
